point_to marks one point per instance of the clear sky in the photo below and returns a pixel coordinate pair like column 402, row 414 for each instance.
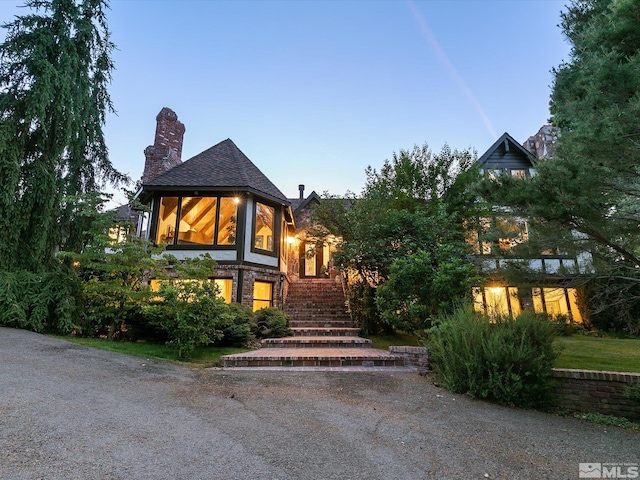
column 315, row 91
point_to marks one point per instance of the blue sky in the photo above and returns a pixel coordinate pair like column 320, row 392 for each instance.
column 315, row 91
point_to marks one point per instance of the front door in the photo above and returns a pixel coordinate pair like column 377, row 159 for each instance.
column 313, row 261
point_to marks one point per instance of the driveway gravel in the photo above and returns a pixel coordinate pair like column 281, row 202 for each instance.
column 71, row 412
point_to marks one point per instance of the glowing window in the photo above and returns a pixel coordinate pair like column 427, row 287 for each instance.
column 264, row 227
column 167, row 215
column 227, row 221
column 262, row 295
column 197, row 220
column 497, row 301
column 226, row 288
column 518, row 173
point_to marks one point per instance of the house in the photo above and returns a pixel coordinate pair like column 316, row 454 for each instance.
column 218, row 203
column 552, row 291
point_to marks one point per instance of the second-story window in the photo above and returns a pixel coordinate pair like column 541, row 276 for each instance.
column 264, row 225
column 197, row 221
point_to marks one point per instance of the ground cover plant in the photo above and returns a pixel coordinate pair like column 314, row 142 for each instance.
column 506, row 360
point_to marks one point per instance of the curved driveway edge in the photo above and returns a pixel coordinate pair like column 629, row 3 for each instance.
column 71, row 412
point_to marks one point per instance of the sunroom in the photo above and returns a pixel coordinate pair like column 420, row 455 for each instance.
column 219, row 203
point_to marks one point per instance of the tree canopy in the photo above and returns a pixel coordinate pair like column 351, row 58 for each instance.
column 588, row 196
column 54, row 74
column 415, row 209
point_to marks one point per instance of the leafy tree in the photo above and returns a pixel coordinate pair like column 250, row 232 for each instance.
column 588, row 196
column 53, row 100
column 419, row 205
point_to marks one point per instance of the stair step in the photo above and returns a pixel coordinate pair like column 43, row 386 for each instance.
column 321, row 332
column 313, row 357
column 320, row 323
column 317, row 342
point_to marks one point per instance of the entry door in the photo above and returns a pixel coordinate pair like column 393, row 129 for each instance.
column 310, row 262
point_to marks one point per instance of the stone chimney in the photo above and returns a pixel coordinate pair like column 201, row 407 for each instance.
column 543, row 143
column 166, row 151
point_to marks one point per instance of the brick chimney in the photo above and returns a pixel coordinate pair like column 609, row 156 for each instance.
column 166, row 151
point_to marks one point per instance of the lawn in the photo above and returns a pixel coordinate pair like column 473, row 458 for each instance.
column 577, row 351
column 595, row 353
column 202, row 357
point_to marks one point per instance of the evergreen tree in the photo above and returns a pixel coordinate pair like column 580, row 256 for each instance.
column 588, row 196
column 53, row 100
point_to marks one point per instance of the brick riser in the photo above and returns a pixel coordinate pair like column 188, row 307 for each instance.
column 317, row 342
column 327, row 331
column 316, row 362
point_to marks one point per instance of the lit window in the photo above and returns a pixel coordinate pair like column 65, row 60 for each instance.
column 197, row 220
column 167, row 220
column 519, row 173
column 198, row 223
column 225, row 285
column 227, row 221
column 264, row 227
column 262, row 295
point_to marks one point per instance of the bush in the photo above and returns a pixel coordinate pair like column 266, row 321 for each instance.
column 236, row 325
column 423, row 285
column 271, row 322
column 364, row 311
column 44, row 302
column 508, row 361
column 189, row 313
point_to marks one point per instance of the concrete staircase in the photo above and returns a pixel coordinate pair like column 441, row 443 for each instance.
column 323, row 334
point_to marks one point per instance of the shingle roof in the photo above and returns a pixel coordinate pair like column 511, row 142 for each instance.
column 222, row 166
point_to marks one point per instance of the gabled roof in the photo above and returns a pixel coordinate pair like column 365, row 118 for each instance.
column 221, row 167
column 505, row 146
column 298, row 204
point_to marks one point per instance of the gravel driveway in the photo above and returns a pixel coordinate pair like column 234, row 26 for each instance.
column 71, row 412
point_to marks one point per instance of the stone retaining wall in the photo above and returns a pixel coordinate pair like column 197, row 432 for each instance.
column 413, row 357
column 597, row 392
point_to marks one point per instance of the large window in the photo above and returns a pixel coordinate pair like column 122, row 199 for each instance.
column 202, row 220
column 557, row 301
column 264, row 225
column 197, row 220
column 167, row 216
column 262, row 295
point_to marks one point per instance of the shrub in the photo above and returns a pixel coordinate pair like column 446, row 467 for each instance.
column 364, row 311
column 424, row 284
column 189, row 313
column 235, row 323
column 271, row 322
column 41, row 302
column 509, row 361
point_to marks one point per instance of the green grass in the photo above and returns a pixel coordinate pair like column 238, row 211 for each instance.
column 202, row 357
column 383, row 342
column 596, row 353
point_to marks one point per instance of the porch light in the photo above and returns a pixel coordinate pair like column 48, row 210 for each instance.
column 291, row 240
column 236, row 200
